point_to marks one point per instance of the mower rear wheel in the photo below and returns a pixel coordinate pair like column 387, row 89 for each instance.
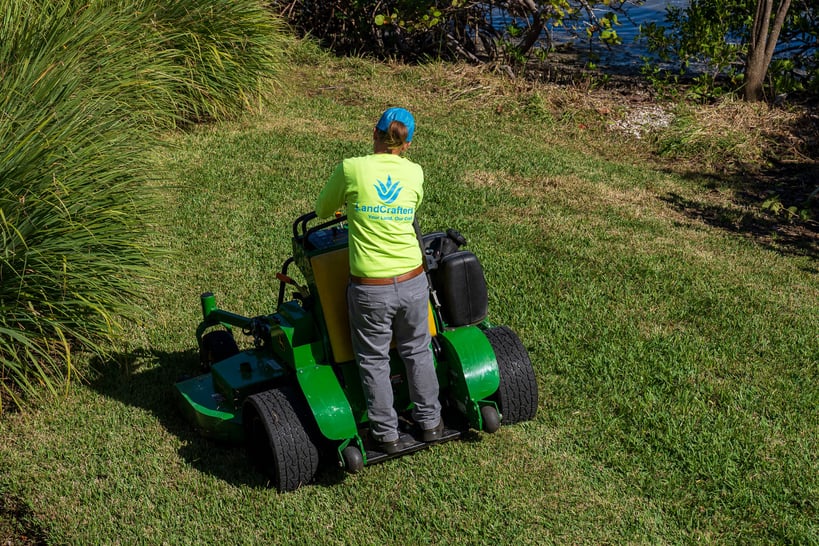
column 281, row 437
column 216, row 346
column 517, row 394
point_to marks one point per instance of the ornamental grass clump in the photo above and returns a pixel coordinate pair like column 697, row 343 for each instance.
column 85, row 89
column 229, row 51
column 198, row 60
column 71, row 203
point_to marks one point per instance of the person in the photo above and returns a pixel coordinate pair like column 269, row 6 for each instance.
column 388, row 293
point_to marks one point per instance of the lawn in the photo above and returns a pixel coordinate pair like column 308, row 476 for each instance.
column 677, row 361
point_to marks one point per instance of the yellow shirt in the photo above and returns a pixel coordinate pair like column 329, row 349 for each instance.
column 382, row 193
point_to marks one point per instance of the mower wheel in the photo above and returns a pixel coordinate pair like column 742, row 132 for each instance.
column 281, row 437
column 517, row 394
column 353, row 460
column 216, row 346
column 491, row 419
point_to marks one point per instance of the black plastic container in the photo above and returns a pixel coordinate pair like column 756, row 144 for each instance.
column 461, row 288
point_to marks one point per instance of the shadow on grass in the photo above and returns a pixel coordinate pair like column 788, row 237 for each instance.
column 18, row 525
column 778, row 205
column 145, row 379
column 783, row 186
column 152, row 389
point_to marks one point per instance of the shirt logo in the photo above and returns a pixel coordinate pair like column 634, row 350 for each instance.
column 388, row 192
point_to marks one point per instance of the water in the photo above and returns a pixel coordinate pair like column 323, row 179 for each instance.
column 629, row 56
column 631, row 50
column 652, row 11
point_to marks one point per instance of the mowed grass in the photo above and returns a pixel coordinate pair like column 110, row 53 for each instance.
column 677, row 364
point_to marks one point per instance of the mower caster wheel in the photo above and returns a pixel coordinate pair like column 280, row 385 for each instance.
column 216, row 346
column 353, row 460
column 491, row 419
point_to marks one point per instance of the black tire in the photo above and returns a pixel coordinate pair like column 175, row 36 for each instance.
column 216, row 346
column 281, row 437
column 517, row 394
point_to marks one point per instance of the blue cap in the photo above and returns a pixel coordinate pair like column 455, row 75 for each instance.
column 397, row 114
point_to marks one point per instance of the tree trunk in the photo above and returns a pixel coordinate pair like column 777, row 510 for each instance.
column 532, row 35
column 529, row 39
column 764, row 36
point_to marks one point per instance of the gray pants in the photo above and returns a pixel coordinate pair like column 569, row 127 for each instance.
column 377, row 314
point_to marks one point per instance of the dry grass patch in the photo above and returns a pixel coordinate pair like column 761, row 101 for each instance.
column 719, row 136
column 733, row 134
column 511, row 185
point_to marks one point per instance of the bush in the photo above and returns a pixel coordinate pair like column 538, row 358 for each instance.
column 412, row 30
column 84, row 89
column 228, row 51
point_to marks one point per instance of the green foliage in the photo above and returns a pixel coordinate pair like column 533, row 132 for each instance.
column 448, row 29
column 665, row 84
column 698, row 38
column 712, row 37
column 227, row 50
column 69, row 217
column 775, row 206
column 413, row 16
column 84, row 90
column 605, row 27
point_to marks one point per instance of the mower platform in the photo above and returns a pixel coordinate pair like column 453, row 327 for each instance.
column 412, row 442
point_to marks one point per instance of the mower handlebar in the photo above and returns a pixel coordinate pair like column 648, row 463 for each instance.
column 301, row 232
column 301, row 221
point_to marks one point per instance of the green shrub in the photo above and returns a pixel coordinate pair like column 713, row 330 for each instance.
column 84, row 89
column 229, row 51
column 70, row 210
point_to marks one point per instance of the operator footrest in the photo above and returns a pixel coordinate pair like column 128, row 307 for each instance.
column 376, row 456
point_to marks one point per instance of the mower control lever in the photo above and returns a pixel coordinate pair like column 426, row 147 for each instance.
column 259, row 328
column 301, row 291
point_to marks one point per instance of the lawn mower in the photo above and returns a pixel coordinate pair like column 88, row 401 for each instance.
column 294, row 396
